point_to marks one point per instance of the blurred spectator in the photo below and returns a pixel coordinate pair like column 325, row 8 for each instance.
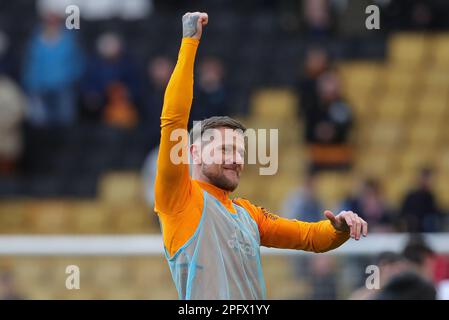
column 303, row 203
column 12, row 109
column 316, row 63
column 323, row 278
column 317, row 17
column 415, row 282
column 119, row 111
column 53, row 65
column 390, row 264
column 8, row 61
column 419, row 210
column 370, row 204
column 159, row 72
column 211, row 97
column 407, row 286
column 328, row 125
column 420, row 257
column 112, row 64
column 8, row 290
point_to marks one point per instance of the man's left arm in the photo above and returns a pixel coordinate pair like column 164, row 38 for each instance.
column 319, row 236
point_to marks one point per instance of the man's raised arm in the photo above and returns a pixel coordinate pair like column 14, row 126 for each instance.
column 172, row 178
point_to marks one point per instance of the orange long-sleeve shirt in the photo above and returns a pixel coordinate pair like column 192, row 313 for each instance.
column 179, row 199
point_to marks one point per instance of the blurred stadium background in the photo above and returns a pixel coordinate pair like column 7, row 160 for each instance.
column 362, row 118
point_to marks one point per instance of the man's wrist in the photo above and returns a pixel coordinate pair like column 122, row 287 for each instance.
column 190, row 40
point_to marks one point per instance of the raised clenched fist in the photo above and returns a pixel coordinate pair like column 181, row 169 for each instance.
column 193, row 23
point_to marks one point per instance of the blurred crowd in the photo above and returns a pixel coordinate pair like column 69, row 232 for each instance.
column 57, row 81
column 418, row 210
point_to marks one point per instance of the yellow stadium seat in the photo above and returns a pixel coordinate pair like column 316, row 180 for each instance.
column 274, row 104
column 359, row 76
column 424, row 133
column 397, row 80
column 442, row 164
column 435, row 81
column 118, row 188
column 12, row 217
column 108, row 271
column 408, row 50
column 134, row 219
column 415, row 157
column 440, row 51
column 393, row 107
column 441, row 185
column 397, row 186
column 332, row 187
column 432, row 106
column 384, row 134
column 91, row 217
column 49, row 216
column 375, row 163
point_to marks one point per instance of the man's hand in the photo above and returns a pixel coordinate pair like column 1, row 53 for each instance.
column 348, row 221
column 193, row 23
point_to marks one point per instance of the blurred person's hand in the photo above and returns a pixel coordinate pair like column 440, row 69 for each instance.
column 348, row 221
column 193, row 23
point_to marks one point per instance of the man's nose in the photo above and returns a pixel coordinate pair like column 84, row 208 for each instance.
column 239, row 158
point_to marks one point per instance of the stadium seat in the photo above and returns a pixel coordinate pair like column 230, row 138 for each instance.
column 415, row 157
column 276, row 105
column 397, row 80
column 432, row 106
column 134, row 218
column 424, row 133
column 91, row 217
column 49, row 216
column 436, row 81
column 440, row 51
column 393, row 107
column 383, row 134
column 120, row 188
column 332, row 187
column 407, row 50
column 12, row 216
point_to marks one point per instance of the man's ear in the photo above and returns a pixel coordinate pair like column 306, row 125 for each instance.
column 195, row 154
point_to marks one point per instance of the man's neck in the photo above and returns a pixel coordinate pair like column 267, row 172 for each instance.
column 220, row 194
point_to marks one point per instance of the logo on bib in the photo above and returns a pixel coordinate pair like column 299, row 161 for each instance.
column 245, row 247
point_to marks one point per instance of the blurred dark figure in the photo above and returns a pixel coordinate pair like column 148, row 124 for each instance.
column 303, row 203
column 390, row 264
column 111, row 65
column 419, row 210
column 416, row 282
column 12, row 111
column 328, row 125
column 119, row 111
column 53, row 65
column 318, row 20
column 416, row 14
column 316, row 63
column 7, row 288
column 159, row 71
column 211, row 97
column 8, row 60
column 369, row 202
column 323, row 278
column 420, row 256
column 407, row 286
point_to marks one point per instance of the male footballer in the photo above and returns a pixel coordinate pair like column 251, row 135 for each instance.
column 212, row 242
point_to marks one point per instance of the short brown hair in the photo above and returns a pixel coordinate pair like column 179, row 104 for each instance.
column 217, row 122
